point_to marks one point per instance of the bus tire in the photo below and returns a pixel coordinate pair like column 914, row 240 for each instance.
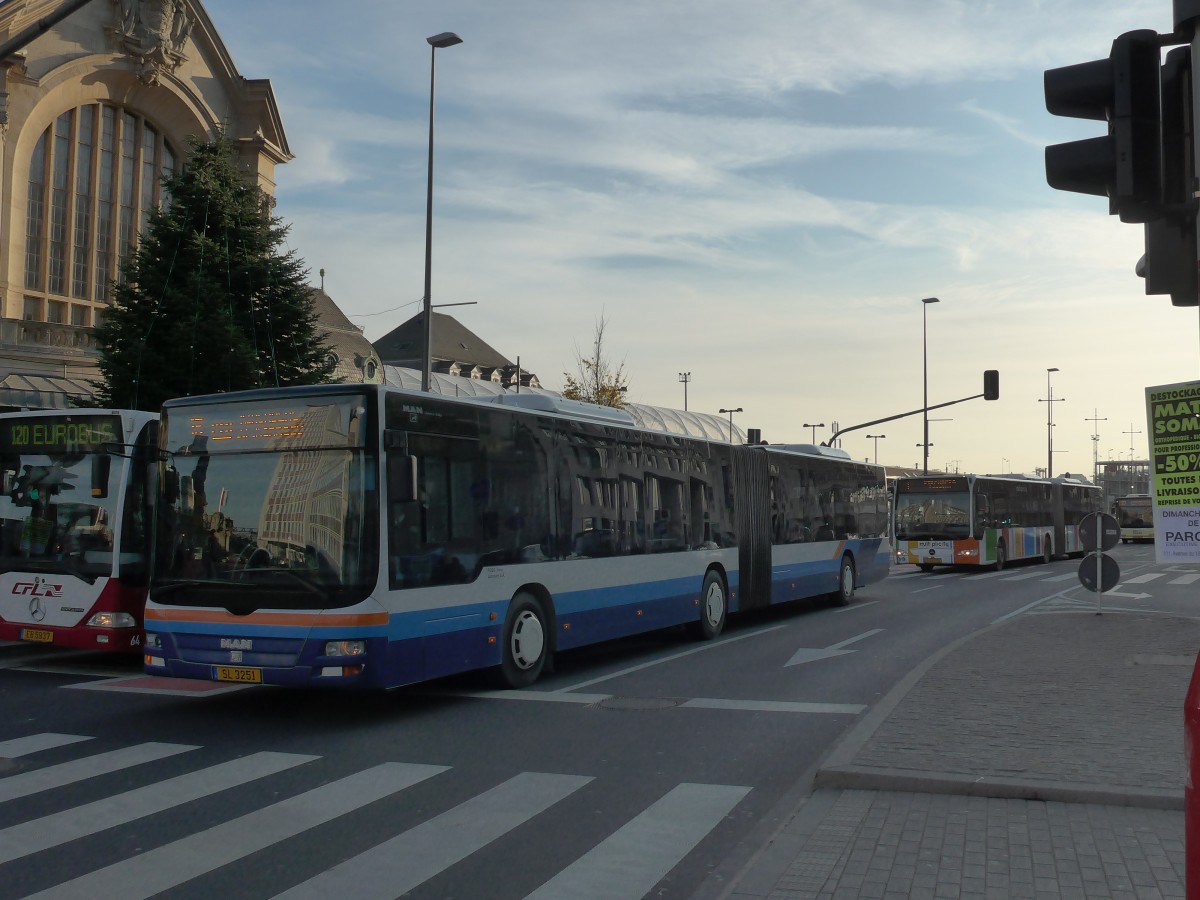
column 845, row 589
column 714, row 606
column 1001, row 556
column 525, row 643
column 925, row 567
column 1046, row 554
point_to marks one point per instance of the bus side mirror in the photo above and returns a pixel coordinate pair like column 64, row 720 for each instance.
column 101, row 464
column 402, row 477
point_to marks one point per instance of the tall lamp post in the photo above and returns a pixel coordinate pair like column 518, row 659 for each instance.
column 1094, row 418
column 814, row 428
column 731, row 412
column 684, row 378
column 925, row 380
column 1050, row 401
column 876, row 437
column 445, row 39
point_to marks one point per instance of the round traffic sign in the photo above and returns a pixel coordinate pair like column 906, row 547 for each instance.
column 1099, row 531
column 1110, row 572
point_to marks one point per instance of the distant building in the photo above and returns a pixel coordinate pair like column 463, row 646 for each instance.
column 456, row 351
column 354, row 357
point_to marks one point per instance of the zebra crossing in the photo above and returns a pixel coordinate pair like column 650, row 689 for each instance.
column 626, row 863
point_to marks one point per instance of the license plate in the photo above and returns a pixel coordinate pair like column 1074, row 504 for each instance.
column 37, row 634
column 240, row 674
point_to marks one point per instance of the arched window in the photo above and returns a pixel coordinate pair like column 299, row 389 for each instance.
column 94, row 176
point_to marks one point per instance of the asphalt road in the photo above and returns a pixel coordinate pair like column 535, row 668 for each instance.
column 653, row 766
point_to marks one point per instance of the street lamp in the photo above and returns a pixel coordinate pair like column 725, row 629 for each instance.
column 445, row 39
column 731, row 412
column 925, row 379
column 876, row 437
column 814, row 428
column 1050, row 401
column 685, row 377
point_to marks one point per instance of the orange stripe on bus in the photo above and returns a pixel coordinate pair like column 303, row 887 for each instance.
column 307, row 620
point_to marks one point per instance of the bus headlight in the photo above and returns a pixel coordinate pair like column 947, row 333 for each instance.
column 345, row 648
column 112, row 620
column 153, row 641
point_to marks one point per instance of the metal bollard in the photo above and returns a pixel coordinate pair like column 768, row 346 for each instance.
column 1191, row 797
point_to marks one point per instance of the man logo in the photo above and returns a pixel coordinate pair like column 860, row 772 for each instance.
column 237, row 644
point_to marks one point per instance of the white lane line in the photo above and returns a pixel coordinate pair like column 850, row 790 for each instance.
column 787, row 706
column 72, row 824
column 1023, row 576
column 711, row 645
column 636, row 856
column 402, row 863
column 1142, row 579
column 1184, row 579
column 35, row 743
column 25, row 784
column 171, row 865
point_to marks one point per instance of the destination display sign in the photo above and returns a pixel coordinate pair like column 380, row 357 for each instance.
column 928, row 485
column 60, row 434
column 235, row 427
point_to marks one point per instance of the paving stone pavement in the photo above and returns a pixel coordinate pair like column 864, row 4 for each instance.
column 1041, row 757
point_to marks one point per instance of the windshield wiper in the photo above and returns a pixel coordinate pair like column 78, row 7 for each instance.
column 65, row 566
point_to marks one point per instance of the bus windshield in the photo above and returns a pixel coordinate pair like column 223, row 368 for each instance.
column 61, row 490
column 933, row 516
column 1135, row 512
column 266, row 511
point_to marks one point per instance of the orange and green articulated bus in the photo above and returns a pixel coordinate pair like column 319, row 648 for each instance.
column 989, row 520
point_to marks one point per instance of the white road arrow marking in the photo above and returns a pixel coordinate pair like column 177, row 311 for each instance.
column 811, row 654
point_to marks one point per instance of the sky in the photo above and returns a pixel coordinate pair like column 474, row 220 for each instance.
column 756, row 192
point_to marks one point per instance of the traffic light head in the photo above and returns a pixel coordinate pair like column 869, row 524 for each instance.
column 991, row 384
column 1124, row 165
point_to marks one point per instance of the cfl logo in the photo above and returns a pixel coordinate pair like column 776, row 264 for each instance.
column 39, row 587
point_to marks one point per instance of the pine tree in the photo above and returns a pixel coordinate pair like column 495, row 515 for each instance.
column 208, row 302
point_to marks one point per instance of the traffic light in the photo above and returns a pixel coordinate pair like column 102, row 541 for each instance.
column 991, row 384
column 26, row 490
column 1169, row 265
column 1126, row 164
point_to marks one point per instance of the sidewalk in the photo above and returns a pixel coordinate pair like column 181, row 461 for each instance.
column 1040, row 757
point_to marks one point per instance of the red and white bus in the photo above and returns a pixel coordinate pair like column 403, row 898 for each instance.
column 75, row 523
column 369, row 536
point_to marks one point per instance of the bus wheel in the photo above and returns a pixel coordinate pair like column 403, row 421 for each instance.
column 1000, row 556
column 523, row 652
column 925, row 567
column 845, row 590
column 714, row 605
column 1046, row 548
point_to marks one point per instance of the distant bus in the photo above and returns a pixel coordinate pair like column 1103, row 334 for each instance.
column 989, row 520
column 370, row 536
column 1135, row 514
column 75, row 526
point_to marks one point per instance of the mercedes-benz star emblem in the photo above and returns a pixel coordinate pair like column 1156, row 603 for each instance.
column 36, row 609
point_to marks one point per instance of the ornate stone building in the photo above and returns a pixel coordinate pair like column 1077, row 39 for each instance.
column 93, row 110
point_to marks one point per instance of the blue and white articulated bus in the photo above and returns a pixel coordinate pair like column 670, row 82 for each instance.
column 371, row 536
